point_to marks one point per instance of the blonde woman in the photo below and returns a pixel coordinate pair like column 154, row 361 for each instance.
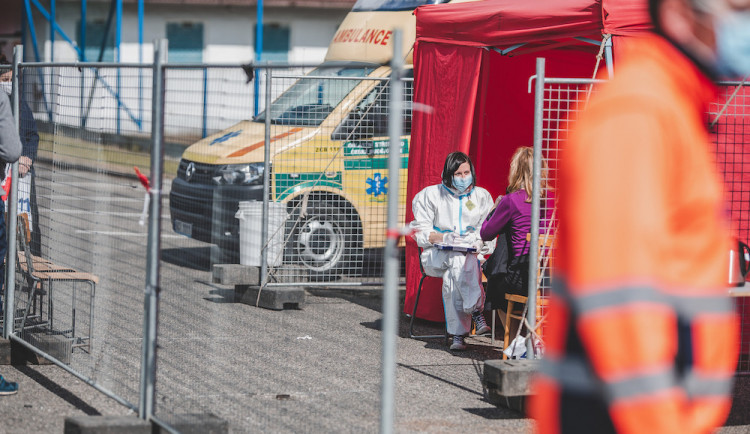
column 511, row 218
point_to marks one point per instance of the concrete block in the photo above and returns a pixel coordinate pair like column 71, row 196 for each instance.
column 275, row 298
column 5, row 352
column 57, row 346
column 236, row 274
column 106, row 425
column 184, row 423
column 507, row 382
column 200, row 424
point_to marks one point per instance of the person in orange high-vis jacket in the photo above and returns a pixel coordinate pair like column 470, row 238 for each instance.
column 642, row 336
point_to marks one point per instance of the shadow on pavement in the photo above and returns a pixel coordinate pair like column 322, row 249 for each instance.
column 221, row 295
column 58, row 390
column 419, row 370
column 196, row 258
column 496, row 413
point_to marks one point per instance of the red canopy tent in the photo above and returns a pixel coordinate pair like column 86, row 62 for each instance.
column 472, row 62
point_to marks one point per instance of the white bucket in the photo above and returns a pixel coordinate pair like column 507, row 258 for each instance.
column 250, row 214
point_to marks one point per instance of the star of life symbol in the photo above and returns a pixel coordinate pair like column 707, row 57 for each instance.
column 225, row 137
column 377, row 185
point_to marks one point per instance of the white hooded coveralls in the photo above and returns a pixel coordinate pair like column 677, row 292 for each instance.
column 438, row 208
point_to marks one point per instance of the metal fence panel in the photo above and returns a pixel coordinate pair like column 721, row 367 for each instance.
column 326, row 225
column 561, row 102
column 80, row 277
column 329, row 180
column 728, row 117
column 729, row 121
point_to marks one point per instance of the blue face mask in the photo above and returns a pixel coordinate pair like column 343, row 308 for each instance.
column 461, row 184
column 733, row 44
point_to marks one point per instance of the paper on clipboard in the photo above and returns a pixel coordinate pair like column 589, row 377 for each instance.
column 456, row 247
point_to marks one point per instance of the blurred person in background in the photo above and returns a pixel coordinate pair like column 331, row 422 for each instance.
column 452, row 212
column 30, row 141
column 10, row 151
column 642, row 335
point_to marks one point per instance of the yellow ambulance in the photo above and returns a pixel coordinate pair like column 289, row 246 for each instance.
column 329, row 143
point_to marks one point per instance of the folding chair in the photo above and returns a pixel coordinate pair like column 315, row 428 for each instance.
column 416, row 303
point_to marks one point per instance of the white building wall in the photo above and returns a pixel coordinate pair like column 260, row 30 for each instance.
column 228, row 31
column 194, row 106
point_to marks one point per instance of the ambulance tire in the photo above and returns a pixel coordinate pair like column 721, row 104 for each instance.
column 327, row 242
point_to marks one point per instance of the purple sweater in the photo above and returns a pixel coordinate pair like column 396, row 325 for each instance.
column 512, row 210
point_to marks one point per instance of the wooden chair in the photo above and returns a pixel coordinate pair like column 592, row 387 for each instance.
column 37, row 271
column 30, row 316
column 516, row 302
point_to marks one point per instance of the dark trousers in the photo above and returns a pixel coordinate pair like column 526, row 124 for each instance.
column 514, row 281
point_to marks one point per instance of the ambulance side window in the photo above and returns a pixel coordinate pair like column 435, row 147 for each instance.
column 370, row 117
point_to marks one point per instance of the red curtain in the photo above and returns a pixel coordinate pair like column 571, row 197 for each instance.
column 478, row 103
column 472, row 99
column 446, row 83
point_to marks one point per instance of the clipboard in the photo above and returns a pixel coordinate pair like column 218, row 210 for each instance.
column 456, row 247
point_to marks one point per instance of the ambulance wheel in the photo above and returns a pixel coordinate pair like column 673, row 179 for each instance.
column 327, row 241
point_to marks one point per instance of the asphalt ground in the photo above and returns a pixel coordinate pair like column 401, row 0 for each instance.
column 315, row 369
column 437, row 391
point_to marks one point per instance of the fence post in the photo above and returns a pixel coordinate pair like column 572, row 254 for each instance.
column 391, row 272
column 10, row 264
column 151, row 299
column 608, row 58
column 204, row 129
column 266, row 186
column 535, row 206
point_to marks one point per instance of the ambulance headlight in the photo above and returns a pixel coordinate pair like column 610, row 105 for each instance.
column 239, row 174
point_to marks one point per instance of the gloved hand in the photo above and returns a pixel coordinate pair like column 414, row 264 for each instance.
column 473, row 239
column 453, row 238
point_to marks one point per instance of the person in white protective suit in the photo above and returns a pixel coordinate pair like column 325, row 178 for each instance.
column 452, row 213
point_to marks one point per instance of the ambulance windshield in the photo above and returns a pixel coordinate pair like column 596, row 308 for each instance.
column 312, row 98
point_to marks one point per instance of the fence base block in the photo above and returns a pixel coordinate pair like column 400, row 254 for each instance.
column 507, row 382
column 184, row 423
column 57, row 346
column 275, row 298
column 5, row 352
column 236, row 274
